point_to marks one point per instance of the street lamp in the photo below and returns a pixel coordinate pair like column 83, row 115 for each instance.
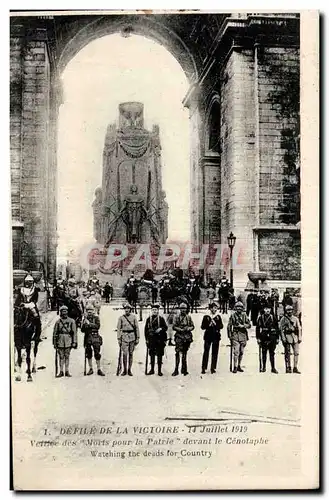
column 231, row 242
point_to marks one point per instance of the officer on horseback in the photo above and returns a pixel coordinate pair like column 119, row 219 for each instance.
column 27, row 298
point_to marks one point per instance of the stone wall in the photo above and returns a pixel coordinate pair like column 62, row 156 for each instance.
column 32, row 174
column 237, row 157
column 279, row 254
column 278, row 189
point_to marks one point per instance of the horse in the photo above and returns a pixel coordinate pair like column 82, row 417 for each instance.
column 25, row 333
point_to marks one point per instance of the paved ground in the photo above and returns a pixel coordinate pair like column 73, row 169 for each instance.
column 267, row 399
column 251, row 392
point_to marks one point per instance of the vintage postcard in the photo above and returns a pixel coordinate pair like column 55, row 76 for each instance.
column 164, row 202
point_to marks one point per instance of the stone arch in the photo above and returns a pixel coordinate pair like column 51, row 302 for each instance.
column 212, row 125
column 142, row 25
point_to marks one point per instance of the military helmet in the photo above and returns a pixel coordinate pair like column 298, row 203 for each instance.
column 239, row 305
column 63, row 308
column 289, row 308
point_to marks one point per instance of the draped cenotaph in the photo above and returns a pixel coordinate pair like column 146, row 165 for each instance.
column 131, row 206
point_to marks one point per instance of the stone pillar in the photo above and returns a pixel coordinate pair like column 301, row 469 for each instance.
column 56, row 99
column 196, row 167
column 212, row 191
column 238, row 158
column 16, row 81
column 34, row 150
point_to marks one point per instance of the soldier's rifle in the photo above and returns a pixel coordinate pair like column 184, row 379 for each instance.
column 56, row 362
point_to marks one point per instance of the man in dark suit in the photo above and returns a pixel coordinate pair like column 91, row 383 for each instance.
column 155, row 337
column 212, row 325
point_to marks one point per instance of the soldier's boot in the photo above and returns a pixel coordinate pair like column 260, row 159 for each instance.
column 175, row 372
column 99, row 370
column 295, row 370
column 272, row 360
column 287, row 361
column 263, row 368
column 124, row 362
column 239, row 369
column 184, row 364
column 130, row 363
column 152, row 358
column 90, row 363
column 159, row 366
column 67, row 372
column 61, row 368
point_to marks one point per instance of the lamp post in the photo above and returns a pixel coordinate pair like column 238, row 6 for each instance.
column 231, row 239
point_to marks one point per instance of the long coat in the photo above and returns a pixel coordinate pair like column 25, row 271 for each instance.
column 65, row 333
column 237, row 326
column 156, row 334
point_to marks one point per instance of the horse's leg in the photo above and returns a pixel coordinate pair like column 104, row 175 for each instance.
column 18, row 377
column 35, row 352
column 28, row 362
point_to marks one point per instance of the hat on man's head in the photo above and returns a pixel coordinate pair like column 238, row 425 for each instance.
column 126, row 305
column 28, row 277
column 289, row 308
column 239, row 305
column 156, row 305
column 183, row 305
column 63, row 308
column 212, row 304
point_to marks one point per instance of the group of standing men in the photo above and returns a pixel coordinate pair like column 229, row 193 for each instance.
column 65, row 339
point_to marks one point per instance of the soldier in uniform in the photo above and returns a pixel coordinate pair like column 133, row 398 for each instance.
column 291, row 336
column 183, row 326
column 237, row 331
column 64, row 339
column 92, row 339
column 212, row 324
column 156, row 337
column 128, row 337
column 267, row 336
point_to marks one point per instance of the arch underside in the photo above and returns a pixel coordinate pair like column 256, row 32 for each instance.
column 142, row 25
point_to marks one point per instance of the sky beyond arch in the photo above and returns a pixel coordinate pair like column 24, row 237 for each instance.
column 108, row 71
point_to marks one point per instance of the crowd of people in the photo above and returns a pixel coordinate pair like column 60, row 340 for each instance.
column 173, row 329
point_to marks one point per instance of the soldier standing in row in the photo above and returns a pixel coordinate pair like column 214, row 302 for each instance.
column 267, row 336
column 156, row 337
column 237, row 331
column 64, row 339
column 212, row 324
column 92, row 340
column 128, row 338
column 183, row 326
column 291, row 336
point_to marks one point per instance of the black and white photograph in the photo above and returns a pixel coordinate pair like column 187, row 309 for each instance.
column 164, row 181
